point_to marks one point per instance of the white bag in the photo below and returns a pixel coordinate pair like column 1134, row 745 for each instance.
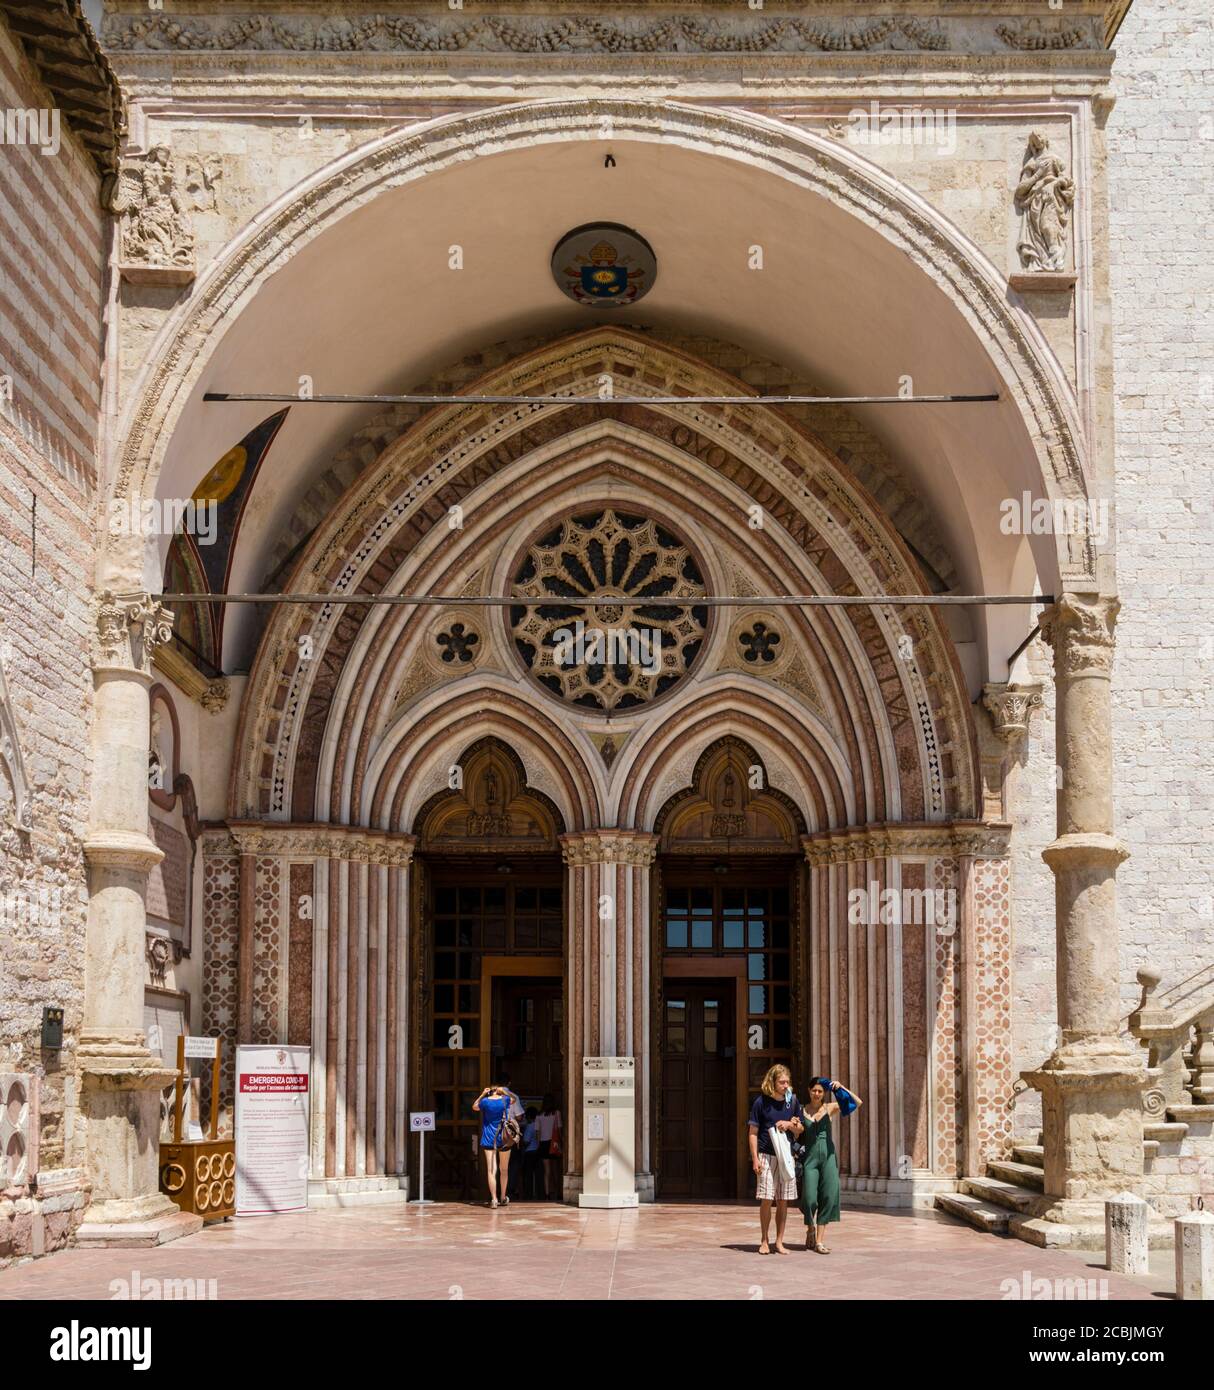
column 782, row 1149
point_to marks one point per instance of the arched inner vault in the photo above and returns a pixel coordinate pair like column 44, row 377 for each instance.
column 348, row 282
column 863, row 717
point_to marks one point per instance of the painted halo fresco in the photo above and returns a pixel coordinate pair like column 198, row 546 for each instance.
column 604, row 265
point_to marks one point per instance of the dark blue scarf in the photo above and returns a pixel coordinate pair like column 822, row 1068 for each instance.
column 843, row 1098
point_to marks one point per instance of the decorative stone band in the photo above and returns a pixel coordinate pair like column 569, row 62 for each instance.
column 1010, row 707
column 130, row 626
column 609, row 847
column 659, row 30
column 1080, row 630
column 318, row 842
column 892, row 840
column 122, row 849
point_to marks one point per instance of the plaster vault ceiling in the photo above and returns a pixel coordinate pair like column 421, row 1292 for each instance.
column 371, row 306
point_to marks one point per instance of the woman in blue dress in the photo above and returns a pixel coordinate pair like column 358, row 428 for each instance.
column 493, row 1105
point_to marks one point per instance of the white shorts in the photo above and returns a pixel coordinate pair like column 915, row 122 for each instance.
column 771, row 1187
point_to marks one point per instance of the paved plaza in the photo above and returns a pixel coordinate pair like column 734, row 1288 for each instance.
column 541, row 1251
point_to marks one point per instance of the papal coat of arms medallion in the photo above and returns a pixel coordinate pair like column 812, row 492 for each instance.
column 603, row 264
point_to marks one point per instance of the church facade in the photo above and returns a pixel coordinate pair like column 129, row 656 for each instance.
column 817, row 683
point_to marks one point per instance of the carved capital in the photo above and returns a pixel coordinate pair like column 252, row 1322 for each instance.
column 632, row 847
column 130, row 626
column 1010, row 707
column 1080, row 630
column 957, row 838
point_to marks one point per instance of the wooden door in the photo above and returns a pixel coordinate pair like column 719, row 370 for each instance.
column 697, row 1065
column 527, row 1029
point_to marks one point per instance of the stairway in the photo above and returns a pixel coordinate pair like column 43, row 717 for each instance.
column 1011, row 1186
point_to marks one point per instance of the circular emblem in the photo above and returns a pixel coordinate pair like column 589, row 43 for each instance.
column 604, row 264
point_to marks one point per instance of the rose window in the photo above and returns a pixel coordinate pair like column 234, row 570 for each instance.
column 605, row 654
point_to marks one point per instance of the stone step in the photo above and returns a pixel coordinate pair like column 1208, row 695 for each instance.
column 1167, row 1134
column 1034, row 1154
column 1191, row 1114
column 983, row 1215
column 1003, row 1194
column 1022, row 1174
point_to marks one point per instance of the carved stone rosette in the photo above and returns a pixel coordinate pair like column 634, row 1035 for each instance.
column 214, row 698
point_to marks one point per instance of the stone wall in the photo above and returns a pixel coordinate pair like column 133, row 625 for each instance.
column 1161, row 146
column 52, row 288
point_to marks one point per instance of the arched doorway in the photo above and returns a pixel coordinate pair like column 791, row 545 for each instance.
column 728, row 966
column 488, row 985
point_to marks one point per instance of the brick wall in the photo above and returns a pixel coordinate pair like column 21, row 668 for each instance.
column 52, row 268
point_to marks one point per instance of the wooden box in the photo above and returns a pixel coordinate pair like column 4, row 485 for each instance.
column 200, row 1176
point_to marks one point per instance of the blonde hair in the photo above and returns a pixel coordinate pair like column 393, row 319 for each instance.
column 769, row 1081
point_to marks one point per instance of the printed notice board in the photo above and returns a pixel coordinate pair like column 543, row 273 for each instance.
column 272, row 1122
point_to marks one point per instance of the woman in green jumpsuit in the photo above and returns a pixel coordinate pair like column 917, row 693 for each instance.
column 817, row 1166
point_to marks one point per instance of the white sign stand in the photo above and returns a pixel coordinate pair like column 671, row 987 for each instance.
column 420, row 1121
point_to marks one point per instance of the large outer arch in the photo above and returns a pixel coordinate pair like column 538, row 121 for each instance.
column 1030, row 373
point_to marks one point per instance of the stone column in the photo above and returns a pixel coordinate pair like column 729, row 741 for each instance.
column 120, row 1079
column 1092, row 1084
column 608, row 974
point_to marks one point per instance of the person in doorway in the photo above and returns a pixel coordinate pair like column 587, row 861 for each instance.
column 817, row 1165
column 493, row 1105
column 775, row 1108
column 515, row 1187
column 533, row 1164
column 549, row 1126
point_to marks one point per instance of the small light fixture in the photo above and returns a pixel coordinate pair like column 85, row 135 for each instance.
column 720, row 868
column 609, row 162
column 505, row 868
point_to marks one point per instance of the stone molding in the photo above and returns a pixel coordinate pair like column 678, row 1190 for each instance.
column 585, row 28
column 892, row 841
column 582, row 847
column 1010, row 707
column 1080, row 630
column 355, row 843
column 130, row 627
column 122, row 849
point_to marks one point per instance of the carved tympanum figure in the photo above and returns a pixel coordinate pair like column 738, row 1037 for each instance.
column 157, row 230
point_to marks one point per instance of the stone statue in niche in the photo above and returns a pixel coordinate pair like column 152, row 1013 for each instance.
column 1044, row 198
column 157, row 238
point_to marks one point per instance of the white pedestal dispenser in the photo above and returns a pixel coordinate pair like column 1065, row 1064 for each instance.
column 608, row 1132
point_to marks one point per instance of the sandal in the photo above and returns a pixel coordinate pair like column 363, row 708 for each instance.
column 493, row 1201
column 811, row 1238
column 822, row 1249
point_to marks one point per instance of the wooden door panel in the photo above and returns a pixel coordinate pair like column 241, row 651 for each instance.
column 697, row 1091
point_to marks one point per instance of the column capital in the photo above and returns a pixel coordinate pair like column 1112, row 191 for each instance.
column 974, row 839
column 609, row 847
column 1010, row 707
column 1080, row 630
column 130, row 626
column 323, row 842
